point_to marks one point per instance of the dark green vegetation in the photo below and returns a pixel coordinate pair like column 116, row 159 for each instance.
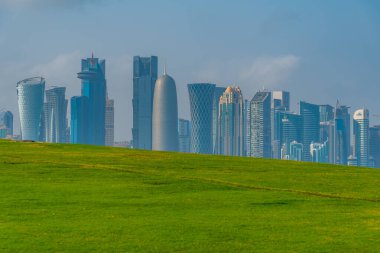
column 76, row 198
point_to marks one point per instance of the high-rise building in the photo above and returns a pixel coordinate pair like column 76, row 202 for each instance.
column 218, row 92
column 6, row 121
column 165, row 115
column 326, row 113
column 327, row 137
column 201, row 96
column 110, row 122
column 361, row 137
column 247, row 117
column 94, row 87
column 319, row 152
column 261, row 125
column 310, row 127
column 281, row 99
column 231, row 123
column 55, row 115
column 30, row 94
column 280, row 103
column 374, row 144
column 342, row 138
column 295, row 151
column 144, row 80
column 184, row 135
column 290, row 129
column 79, row 120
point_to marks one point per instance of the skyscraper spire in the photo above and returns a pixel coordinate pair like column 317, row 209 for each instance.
column 165, row 69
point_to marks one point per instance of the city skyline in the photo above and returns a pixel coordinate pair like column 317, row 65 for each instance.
column 280, row 51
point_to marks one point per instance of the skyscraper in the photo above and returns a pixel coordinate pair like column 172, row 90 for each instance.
column 326, row 113
column 342, row 140
column 218, row 92
column 290, row 130
column 247, row 118
column 110, row 122
column 280, row 103
column 95, row 89
column 319, row 152
column 6, row 121
column 165, row 115
column 30, row 94
column 261, row 125
column 231, row 127
column 374, row 144
column 55, row 115
column 79, row 120
column 361, row 137
column 310, row 127
column 201, row 97
column 184, row 135
column 144, row 80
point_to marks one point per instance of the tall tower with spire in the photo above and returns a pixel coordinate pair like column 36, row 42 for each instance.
column 165, row 114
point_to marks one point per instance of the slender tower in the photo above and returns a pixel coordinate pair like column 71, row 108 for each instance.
column 165, row 115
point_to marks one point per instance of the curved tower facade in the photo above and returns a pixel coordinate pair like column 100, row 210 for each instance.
column 30, row 95
column 165, row 115
column 201, row 97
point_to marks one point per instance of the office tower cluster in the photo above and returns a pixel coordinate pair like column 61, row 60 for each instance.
column 43, row 111
column 222, row 121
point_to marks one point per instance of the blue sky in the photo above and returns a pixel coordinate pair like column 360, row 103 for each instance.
column 320, row 51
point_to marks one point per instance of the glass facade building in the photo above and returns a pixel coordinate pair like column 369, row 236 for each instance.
column 374, row 145
column 342, row 136
column 95, row 89
column 261, row 141
column 361, row 137
column 201, row 96
column 30, row 95
column 184, row 133
column 79, row 120
column 6, row 121
column 55, row 115
column 231, row 123
column 144, row 80
column 218, row 92
column 310, row 127
column 110, row 122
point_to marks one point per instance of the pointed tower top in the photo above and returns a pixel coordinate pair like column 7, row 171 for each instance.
column 165, row 69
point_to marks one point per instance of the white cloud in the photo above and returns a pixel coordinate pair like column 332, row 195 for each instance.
column 269, row 71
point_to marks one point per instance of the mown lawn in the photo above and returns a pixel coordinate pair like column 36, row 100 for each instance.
column 76, row 198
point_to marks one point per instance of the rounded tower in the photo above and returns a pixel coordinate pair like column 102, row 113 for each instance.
column 165, row 115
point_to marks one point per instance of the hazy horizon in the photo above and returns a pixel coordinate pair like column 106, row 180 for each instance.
column 318, row 51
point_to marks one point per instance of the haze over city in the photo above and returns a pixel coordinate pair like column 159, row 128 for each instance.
column 318, row 51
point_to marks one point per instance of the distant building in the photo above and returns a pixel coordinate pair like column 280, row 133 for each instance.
column 94, row 87
column 247, row 117
column 280, row 103
column 231, row 123
column 261, row 125
column 55, row 115
column 374, row 145
column 361, row 137
column 30, row 94
column 110, row 122
column 290, row 130
column 165, row 115
column 145, row 71
column 342, row 136
column 319, row 152
column 184, row 135
column 79, row 120
column 295, row 151
column 201, row 96
column 310, row 127
column 281, row 100
column 6, row 121
column 326, row 113
column 218, row 92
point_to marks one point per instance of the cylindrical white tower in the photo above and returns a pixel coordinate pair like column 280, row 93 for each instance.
column 165, row 115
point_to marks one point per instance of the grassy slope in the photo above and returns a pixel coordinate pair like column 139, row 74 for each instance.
column 77, row 198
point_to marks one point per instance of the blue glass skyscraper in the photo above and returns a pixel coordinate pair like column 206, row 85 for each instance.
column 310, row 127
column 144, row 80
column 95, row 89
column 361, row 137
column 6, row 121
column 55, row 115
column 30, row 94
column 201, row 96
column 79, row 120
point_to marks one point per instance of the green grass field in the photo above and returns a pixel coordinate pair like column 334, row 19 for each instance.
column 76, row 198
